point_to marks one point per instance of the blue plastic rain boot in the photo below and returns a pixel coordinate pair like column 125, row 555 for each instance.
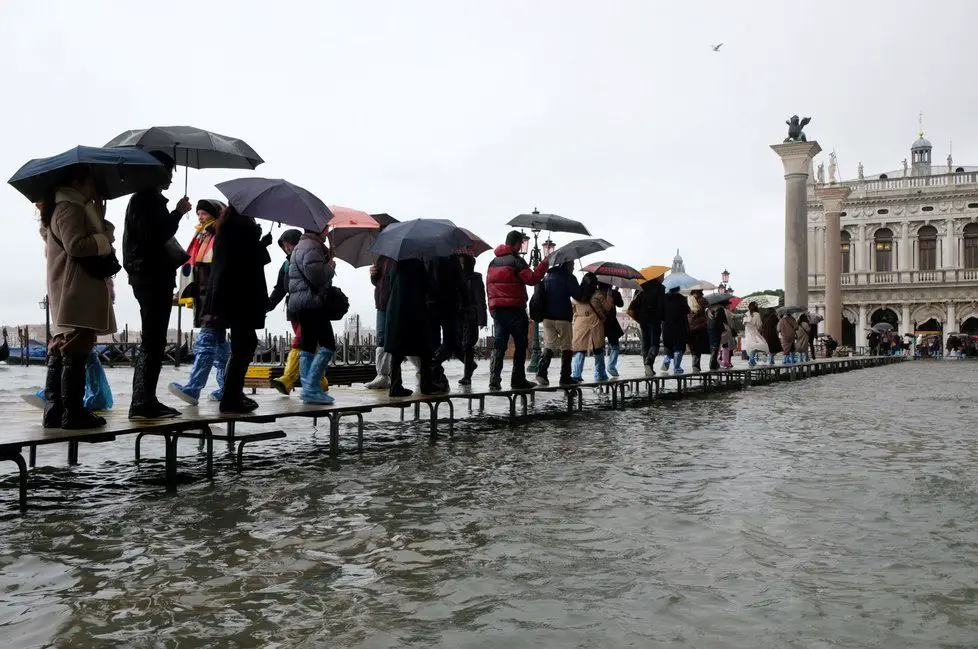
column 666, row 360
column 221, row 355
column 752, row 358
column 577, row 368
column 614, row 351
column 599, row 367
column 312, row 389
column 678, row 365
column 98, row 394
column 204, row 350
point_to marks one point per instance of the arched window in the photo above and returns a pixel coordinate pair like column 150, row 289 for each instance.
column 971, row 245
column 884, row 250
column 927, row 248
column 846, row 239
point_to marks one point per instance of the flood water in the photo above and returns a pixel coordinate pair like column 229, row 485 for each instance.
column 834, row 512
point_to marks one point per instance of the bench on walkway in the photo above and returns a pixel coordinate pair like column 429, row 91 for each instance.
column 260, row 376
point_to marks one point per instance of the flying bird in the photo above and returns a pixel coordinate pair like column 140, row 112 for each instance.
column 716, row 48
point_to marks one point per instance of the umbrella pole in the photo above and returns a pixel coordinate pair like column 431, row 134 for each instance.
column 186, row 179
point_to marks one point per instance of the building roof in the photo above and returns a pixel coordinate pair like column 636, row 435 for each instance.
column 921, row 143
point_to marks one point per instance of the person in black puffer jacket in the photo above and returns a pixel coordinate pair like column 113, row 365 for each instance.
column 560, row 287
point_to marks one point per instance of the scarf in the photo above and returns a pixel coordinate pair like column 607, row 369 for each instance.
column 201, row 248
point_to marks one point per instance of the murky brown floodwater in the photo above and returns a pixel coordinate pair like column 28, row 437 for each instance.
column 835, row 512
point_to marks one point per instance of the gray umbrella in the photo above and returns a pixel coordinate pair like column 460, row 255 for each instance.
column 193, row 147
column 782, row 310
column 549, row 222
column 420, row 239
column 577, row 249
column 718, row 298
column 882, row 327
column 277, row 200
column 620, row 282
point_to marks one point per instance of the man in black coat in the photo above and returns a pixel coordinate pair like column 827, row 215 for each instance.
column 647, row 309
column 151, row 263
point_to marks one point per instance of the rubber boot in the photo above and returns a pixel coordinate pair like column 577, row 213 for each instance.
column 543, row 367
column 714, row 359
column 144, row 404
column 222, row 354
column 53, row 407
column 234, row 401
column 428, row 385
column 678, row 363
column 312, row 391
column 517, row 379
column 469, row 365
column 666, row 360
column 696, row 363
column 772, row 358
column 566, row 361
column 397, row 389
column 290, row 375
column 75, row 416
column 496, row 359
column 725, row 358
column 614, row 351
column 577, row 369
column 98, row 394
column 205, row 349
column 600, row 373
column 383, row 379
column 752, row 358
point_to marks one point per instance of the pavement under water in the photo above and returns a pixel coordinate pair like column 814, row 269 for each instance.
column 837, row 511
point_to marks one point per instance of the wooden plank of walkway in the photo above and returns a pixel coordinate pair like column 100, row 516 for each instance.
column 21, row 424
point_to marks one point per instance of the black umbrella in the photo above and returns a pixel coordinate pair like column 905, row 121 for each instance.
column 117, row 171
column 420, row 239
column 718, row 298
column 274, row 199
column 882, row 327
column 192, row 147
column 577, row 249
column 549, row 222
column 613, row 269
column 782, row 310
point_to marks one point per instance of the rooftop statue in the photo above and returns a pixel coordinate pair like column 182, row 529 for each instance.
column 795, row 127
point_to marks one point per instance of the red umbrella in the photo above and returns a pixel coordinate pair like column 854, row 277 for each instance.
column 613, row 269
column 477, row 247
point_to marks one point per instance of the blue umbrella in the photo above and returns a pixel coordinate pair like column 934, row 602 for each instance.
column 420, row 239
column 274, row 199
column 118, row 171
column 681, row 280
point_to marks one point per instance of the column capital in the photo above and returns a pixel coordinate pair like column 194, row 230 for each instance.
column 833, row 197
column 796, row 155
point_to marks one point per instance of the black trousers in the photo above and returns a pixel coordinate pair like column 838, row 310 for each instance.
column 155, row 303
column 317, row 330
column 244, row 341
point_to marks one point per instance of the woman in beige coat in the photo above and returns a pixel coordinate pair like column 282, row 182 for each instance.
column 81, row 302
column 588, row 328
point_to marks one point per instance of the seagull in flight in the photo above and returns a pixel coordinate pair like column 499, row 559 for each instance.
column 716, row 48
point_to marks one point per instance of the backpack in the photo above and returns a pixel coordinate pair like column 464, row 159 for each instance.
column 538, row 303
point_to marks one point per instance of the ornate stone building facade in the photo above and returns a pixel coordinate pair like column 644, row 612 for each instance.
column 909, row 248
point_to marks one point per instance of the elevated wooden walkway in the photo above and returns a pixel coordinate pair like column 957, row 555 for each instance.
column 21, row 427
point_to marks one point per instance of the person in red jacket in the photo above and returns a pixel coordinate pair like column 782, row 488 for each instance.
column 506, row 283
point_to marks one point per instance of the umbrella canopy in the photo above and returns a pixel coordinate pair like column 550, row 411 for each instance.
column 702, row 285
column 882, row 327
column 718, row 298
column 550, row 222
column 117, row 171
column 476, row 248
column 620, row 282
column 814, row 318
column 653, row 272
column 679, row 280
column 420, row 239
column 782, row 310
column 577, row 249
column 192, row 147
column 274, row 199
column 613, row 269
column 351, row 233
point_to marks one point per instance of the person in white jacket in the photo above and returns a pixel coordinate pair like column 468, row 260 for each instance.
column 754, row 340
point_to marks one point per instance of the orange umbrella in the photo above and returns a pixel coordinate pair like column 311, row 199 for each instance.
column 346, row 217
column 351, row 233
column 651, row 272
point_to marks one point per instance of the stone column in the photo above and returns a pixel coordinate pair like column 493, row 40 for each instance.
column 833, row 198
column 906, row 327
column 796, row 156
column 952, row 321
column 949, row 244
column 862, row 328
column 903, row 263
column 858, row 250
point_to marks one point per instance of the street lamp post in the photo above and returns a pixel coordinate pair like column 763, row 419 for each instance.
column 44, row 304
column 724, row 286
column 536, row 256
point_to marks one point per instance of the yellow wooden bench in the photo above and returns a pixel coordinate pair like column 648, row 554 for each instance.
column 260, row 376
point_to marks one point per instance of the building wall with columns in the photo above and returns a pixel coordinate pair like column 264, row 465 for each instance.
column 910, row 245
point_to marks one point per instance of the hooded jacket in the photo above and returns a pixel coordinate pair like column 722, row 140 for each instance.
column 508, row 278
column 281, row 288
column 309, row 275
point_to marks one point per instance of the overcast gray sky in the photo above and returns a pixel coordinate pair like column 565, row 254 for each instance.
column 618, row 114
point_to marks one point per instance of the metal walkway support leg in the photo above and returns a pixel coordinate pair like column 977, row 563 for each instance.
column 171, row 440
column 334, row 435
column 18, row 459
column 72, row 453
column 360, row 432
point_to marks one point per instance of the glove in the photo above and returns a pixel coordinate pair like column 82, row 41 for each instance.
column 266, row 240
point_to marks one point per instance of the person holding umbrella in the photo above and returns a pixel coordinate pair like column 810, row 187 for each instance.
column 408, row 322
column 646, row 308
column 211, row 347
column 474, row 315
column 803, row 335
column 590, row 312
column 506, row 283
column 559, row 287
column 755, row 342
column 675, row 329
column 380, row 277
column 151, row 263
column 448, row 300
column 612, row 328
column 80, row 297
column 787, row 333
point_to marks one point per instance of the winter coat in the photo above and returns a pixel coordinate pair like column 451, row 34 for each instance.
column 647, row 307
column 202, row 247
column 149, row 226
column 769, row 329
column 310, row 274
column 475, row 314
column 717, row 327
column 448, row 294
column 697, row 313
column 380, row 277
column 675, row 324
column 803, row 336
column 281, row 289
column 508, row 278
column 612, row 328
column 561, row 287
column 77, row 299
column 787, row 330
column 755, row 342
column 588, row 323
column 237, row 292
column 408, row 319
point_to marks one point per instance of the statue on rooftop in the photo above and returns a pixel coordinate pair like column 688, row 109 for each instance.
column 795, row 127
column 820, row 174
column 859, row 171
column 833, row 167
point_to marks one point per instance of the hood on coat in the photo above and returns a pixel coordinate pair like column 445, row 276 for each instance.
column 502, row 250
column 290, row 236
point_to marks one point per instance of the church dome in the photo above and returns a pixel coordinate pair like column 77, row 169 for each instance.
column 921, row 143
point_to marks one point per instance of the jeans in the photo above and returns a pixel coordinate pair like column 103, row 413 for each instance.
column 614, row 351
column 512, row 322
column 211, row 349
column 651, row 338
column 381, row 327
